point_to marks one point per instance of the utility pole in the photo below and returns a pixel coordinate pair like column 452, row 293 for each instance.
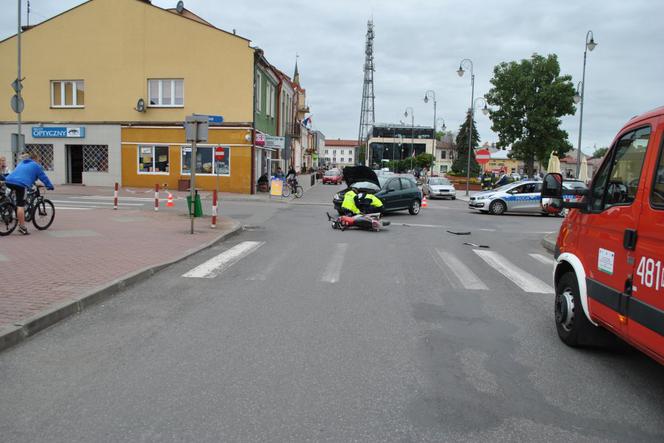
column 19, row 145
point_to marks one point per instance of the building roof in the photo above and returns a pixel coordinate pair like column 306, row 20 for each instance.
column 185, row 14
column 340, row 142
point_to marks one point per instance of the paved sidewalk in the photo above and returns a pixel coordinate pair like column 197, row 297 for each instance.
column 86, row 256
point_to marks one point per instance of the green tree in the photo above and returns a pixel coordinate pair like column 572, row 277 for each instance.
column 460, row 165
column 528, row 99
column 600, row 152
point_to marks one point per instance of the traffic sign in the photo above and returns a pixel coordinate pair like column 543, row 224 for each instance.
column 219, row 153
column 215, row 119
column 17, row 85
column 482, row 156
column 17, row 104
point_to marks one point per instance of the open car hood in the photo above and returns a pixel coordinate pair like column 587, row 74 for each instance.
column 356, row 174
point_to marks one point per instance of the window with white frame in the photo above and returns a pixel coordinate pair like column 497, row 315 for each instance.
column 67, row 93
column 259, row 89
column 153, row 160
column 205, row 162
column 166, row 93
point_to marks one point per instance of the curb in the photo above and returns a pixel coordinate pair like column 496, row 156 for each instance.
column 21, row 330
column 549, row 242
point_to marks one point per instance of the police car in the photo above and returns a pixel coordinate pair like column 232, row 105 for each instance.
column 523, row 196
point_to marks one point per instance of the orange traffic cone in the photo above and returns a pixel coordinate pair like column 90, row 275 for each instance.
column 425, row 203
column 169, row 201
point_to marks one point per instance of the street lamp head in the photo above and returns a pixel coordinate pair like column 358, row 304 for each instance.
column 460, row 71
column 405, row 114
column 591, row 44
column 485, row 110
column 426, row 99
column 577, row 98
column 443, row 128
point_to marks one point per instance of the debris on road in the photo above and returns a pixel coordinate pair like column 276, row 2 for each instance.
column 459, row 233
column 476, row 245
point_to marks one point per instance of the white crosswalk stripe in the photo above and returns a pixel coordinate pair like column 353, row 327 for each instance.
column 216, row 265
column 543, row 259
column 465, row 276
column 333, row 269
column 518, row 276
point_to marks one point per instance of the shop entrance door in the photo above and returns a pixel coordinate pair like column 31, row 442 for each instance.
column 74, row 164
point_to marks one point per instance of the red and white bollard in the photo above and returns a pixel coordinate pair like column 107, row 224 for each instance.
column 214, row 209
column 213, row 224
column 156, row 197
column 115, row 196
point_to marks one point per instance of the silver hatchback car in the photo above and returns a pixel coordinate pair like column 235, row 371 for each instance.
column 523, row 196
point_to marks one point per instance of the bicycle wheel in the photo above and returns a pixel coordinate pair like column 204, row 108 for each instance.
column 286, row 191
column 299, row 191
column 43, row 214
column 8, row 219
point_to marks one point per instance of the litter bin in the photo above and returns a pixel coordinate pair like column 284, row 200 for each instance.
column 198, row 207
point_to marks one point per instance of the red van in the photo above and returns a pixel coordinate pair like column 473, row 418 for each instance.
column 609, row 271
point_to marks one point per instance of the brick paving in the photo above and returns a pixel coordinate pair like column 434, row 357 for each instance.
column 84, row 250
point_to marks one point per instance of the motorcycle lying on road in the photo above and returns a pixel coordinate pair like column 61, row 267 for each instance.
column 367, row 222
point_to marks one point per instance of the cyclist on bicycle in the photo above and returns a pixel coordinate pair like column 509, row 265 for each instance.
column 27, row 172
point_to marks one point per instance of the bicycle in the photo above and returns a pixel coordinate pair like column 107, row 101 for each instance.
column 292, row 188
column 38, row 210
column 8, row 219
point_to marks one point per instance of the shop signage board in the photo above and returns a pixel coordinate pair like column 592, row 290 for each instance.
column 260, row 139
column 274, row 142
column 58, row 132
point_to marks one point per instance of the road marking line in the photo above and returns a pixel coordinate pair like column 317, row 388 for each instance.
column 67, row 208
column 543, row 259
column 518, row 276
column 223, row 261
column 333, row 270
column 69, row 202
column 121, row 198
column 487, row 230
column 467, row 278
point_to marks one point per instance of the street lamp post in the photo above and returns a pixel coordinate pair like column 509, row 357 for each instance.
column 412, row 133
column 431, row 93
column 590, row 45
column 469, row 63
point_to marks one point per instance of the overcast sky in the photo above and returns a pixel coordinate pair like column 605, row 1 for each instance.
column 419, row 44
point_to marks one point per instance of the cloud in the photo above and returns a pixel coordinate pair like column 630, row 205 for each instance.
column 419, row 45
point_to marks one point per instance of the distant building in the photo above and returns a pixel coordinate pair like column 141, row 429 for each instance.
column 444, row 157
column 339, row 153
column 390, row 142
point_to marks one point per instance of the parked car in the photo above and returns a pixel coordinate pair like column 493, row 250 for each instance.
column 609, row 254
column 333, row 177
column 523, row 196
column 397, row 192
column 439, row 187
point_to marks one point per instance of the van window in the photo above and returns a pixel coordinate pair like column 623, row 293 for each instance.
column 657, row 196
column 616, row 183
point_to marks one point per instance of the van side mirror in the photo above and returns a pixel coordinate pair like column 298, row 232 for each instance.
column 552, row 194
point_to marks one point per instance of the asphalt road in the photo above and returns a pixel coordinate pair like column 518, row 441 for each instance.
column 321, row 335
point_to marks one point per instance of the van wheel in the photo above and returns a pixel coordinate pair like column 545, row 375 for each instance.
column 497, row 208
column 574, row 328
column 414, row 208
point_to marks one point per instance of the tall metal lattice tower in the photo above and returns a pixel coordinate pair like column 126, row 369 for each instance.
column 367, row 116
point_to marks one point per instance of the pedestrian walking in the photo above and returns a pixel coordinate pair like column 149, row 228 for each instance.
column 4, row 169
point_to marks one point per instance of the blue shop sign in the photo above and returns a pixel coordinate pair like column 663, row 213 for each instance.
column 58, row 132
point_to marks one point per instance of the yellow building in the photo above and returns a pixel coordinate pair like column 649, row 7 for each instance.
column 109, row 83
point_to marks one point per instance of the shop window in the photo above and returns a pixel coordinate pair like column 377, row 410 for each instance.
column 67, row 93
column 168, row 93
column 153, row 159
column 44, row 154
column 205, row 163
column 95, row 158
